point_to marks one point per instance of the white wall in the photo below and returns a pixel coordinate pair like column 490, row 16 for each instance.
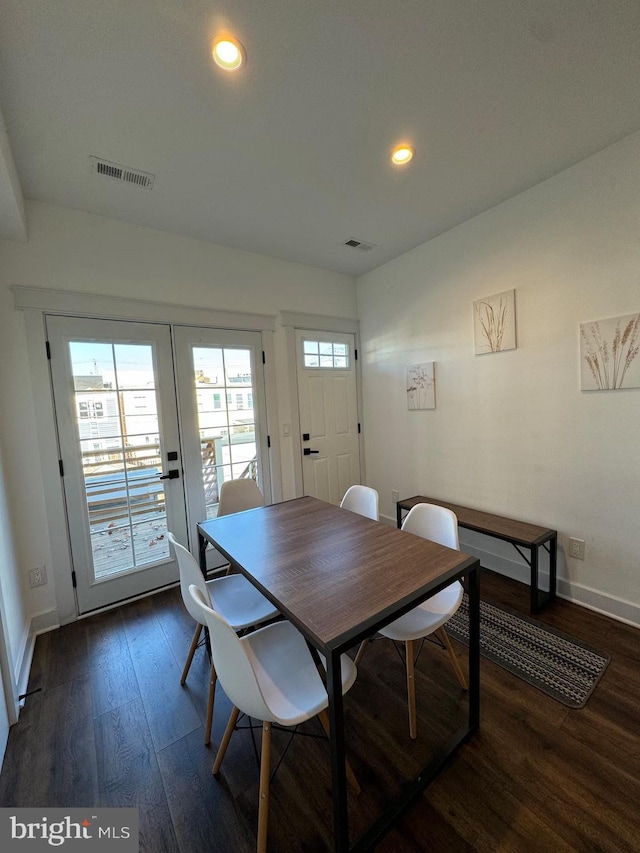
column 73, row 251
column 512, row 432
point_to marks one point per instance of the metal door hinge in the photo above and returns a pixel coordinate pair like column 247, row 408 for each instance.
column 268, row 441
column 73, row 579
column 48, row 348
column 61, row 467
column 264, row 360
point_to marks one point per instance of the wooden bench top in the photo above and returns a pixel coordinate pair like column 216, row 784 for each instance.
column 509, row 529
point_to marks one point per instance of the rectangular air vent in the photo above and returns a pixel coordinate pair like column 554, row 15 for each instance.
column 121, row 173
column 360, row 244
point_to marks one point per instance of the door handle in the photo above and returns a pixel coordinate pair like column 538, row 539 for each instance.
column 308, row 451
column 173, row 474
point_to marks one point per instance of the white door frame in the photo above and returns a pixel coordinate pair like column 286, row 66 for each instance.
column 36, row 302
column 291, row 322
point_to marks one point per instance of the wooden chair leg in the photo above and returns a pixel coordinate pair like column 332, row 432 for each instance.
column 192, row 651
column 351, row 776
column 233, row 719
column 213, row 677
column 453, row 657
column 265, row 772
column 411, row 688
column 361, row 651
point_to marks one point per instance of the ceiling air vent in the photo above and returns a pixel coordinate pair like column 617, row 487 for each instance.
column 360, row 244
column 121, row 173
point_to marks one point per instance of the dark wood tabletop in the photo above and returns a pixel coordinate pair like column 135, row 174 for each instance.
column 330, row 571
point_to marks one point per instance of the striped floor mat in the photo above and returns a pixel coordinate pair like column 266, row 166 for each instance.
column 549, row 660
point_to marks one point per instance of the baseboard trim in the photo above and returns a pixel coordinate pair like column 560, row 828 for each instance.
column 592, row 599
column 39, row 624
column 607, row 605
column 43, row 622
column 25, row 669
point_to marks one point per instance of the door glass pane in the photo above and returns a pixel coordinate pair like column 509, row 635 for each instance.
column 325, row 354
column 119, row 436
column 226, row 418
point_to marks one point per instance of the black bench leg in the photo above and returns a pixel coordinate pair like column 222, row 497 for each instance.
column 553, row 565
column 534, row 580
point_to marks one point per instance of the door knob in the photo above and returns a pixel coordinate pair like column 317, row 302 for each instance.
column 308, row 451
column 170, row 475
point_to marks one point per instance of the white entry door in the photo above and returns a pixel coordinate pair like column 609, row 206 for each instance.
column 328, row 413
column 120, row 454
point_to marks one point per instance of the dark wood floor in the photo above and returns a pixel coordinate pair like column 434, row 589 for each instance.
column 111, row 726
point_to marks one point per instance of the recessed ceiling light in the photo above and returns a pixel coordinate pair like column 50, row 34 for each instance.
column 228, row 53
column 402, row 154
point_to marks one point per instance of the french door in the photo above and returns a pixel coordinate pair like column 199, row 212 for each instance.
column 141, row 454
column 222, row 413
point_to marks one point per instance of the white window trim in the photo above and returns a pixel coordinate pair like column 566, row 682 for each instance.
column 75, row 304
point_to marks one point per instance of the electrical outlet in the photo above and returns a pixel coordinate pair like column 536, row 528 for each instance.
column 395, row 496
column 576, row 548
column 38, row 576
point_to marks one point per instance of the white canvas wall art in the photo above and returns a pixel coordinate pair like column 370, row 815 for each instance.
column 609, row 354
column 494, row 322
column 421, row 386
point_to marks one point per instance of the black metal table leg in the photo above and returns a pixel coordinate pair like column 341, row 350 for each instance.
column 202, row 554
column 338, row 761
column 473, row 591
column 202, row 560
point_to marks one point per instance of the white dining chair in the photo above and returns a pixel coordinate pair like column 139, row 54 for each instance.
column 271, row 676
column 439, row 525
column 238, row 495
column 361, row 499
column 241, row 604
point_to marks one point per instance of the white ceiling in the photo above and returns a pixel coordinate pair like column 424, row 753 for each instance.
column 290, row 157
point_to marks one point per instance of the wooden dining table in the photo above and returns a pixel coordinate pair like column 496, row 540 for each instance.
column 339, row 577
